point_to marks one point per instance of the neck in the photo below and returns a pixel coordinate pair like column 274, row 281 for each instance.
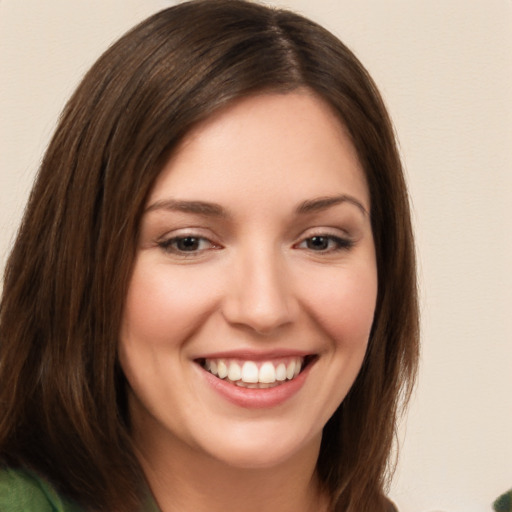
column 186, row 480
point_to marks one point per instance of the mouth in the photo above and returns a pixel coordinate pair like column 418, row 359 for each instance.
column 257, row 374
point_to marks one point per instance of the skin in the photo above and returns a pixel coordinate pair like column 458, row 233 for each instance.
column 252, row 278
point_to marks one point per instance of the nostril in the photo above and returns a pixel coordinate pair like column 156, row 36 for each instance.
column 258, row 320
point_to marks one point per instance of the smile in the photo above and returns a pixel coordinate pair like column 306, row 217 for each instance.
column 256, row 374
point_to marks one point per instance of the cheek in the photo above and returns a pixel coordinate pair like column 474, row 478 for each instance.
column 161, row 304
column 344, row 306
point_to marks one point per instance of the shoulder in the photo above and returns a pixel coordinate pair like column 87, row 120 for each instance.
column 391, row 507
column 22, row 491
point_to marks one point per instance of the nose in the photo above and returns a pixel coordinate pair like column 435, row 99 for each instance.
column 260, row 296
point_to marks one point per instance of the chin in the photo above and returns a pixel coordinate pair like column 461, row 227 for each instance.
column 254, row 451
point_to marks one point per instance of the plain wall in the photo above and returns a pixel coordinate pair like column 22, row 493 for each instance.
column 445, row 70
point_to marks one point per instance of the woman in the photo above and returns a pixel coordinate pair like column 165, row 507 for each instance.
column 211, row 302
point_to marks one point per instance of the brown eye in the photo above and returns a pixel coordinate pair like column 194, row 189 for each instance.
column 326, row 243
column 186, row 244
column 318, row 243
column 189, row 243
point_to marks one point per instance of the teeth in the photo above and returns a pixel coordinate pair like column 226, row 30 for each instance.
column 249, row 375
column 267, row 373
column 298, row 366
column 259, row 385
column 266, row 385
column 222, row 370
column 281, row 372
column 234, row 372
column 290, row 370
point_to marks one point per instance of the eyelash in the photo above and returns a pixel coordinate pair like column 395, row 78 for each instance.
column 170, row 245
column 340, row 244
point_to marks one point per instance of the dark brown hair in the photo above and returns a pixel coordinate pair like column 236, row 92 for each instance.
column 62, row 401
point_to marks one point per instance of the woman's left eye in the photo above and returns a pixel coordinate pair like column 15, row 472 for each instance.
column 325, row 243
column 186, row 244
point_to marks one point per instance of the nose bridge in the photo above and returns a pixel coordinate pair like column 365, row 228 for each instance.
column 260, row 295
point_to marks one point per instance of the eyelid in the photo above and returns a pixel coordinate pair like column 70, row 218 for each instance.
column 340, row 243
column 165, row 242
column 342, row 239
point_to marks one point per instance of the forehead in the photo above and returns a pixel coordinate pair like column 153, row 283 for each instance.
column 268, row 146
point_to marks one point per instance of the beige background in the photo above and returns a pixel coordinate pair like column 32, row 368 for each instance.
column 445, row 69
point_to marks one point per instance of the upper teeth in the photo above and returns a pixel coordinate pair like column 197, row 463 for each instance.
column 251, row 372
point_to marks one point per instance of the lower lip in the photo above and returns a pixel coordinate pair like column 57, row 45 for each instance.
column 251, row 398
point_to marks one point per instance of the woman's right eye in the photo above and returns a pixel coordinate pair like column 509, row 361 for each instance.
column 186, row 245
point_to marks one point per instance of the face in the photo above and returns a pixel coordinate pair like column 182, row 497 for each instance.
column 254, row 285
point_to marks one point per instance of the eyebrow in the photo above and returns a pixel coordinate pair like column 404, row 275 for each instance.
column 323, row 203
column 208, row 209
column 197, row 207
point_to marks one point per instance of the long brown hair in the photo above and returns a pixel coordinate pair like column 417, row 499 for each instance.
column 62, row 401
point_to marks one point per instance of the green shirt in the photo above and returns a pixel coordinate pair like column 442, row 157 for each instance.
column 22, row 491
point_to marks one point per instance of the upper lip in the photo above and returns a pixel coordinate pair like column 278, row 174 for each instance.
column 253, row 355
